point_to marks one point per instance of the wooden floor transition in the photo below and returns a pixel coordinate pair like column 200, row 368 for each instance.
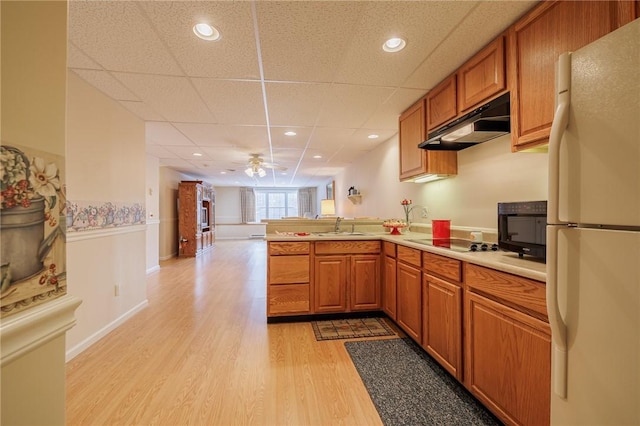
column 202, row 353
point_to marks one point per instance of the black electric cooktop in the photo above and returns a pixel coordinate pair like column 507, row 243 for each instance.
column 456, row 244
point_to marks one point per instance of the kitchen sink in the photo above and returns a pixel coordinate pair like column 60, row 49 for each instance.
column 339, row 233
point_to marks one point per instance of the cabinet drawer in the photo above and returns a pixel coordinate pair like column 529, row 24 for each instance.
column 389, row 249
column 442, row 266
column 410, row 256
column 347, row 247
column 289, row 299
column 280, row 248
column 288, row 269
column 510, row 289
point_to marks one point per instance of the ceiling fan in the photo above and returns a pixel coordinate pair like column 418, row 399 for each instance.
column 256, row 166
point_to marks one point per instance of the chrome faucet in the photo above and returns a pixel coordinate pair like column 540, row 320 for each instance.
column 337, row 228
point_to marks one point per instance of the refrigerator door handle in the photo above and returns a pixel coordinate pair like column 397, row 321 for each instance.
column 558, row 327
column 558, row 126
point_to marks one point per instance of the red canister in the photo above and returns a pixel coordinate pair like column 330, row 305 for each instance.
column 441, row 228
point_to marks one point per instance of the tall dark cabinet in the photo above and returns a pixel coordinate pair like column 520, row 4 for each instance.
column 196, row 218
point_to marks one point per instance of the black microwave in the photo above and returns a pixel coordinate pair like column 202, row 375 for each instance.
column 522, row 228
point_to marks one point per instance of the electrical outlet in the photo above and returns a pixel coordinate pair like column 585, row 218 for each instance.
column 116, row 290
column 424, row 213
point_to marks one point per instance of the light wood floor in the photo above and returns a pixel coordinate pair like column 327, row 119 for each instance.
column 202, row 353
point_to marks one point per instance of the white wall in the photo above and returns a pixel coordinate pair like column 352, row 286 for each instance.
column 105, row 162
column 228, row 205
column 487, row 173
column 152, row 207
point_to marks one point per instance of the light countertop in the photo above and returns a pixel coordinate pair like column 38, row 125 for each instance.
column 501, row 260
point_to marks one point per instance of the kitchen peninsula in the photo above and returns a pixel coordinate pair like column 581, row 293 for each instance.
column 473, row 312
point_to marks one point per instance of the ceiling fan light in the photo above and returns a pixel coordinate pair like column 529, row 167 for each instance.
column 261, row 172
column 249, row 171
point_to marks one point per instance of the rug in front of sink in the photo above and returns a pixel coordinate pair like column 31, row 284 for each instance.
column 351, row 328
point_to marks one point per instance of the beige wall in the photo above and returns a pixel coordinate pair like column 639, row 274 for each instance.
column 487, row 173
column 168, row 192
column 105, row 162
column 33, row 115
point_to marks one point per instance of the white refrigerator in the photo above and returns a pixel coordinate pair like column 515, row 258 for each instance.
column 593, row 233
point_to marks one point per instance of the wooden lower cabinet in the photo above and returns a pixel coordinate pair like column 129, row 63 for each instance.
column 365, row 283
column 507, row 361
column 330, row 284
column 345, row 283
column 389, row 293
column 288, row 279
column 409, row 300
column 442, row 323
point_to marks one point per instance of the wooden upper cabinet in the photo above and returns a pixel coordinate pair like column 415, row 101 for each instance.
column 413, row 160
column 539, row 38
column 482, row 77
column 441, row 103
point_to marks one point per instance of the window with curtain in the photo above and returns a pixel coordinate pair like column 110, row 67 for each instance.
column 307, row 202
column 247, row 205
column 276, row 203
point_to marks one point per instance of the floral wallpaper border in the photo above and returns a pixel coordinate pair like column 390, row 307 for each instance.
column 92, row 215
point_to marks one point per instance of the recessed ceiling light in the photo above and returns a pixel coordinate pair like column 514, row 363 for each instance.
column 373, row 136
column 197, row 154
column 394, row 44
column 206, row 32
column 223, row 173
column 290, row 133
column 317, row 156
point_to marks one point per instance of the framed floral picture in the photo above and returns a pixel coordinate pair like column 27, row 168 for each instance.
column 32, row 227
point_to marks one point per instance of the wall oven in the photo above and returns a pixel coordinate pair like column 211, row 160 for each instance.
column 522, row 228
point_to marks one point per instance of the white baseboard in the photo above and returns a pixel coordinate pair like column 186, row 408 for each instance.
column 82, row 346
column 153, row 269
column 168, row 257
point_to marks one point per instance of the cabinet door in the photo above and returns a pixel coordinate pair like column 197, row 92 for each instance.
column 482, row 77
column 330, row 284
column 539, row 38
column 413, row 160
column 441, row 103
column 409, row 299
column 365, row 283
column 389, row 287
column 442, row 323
column 508, row 361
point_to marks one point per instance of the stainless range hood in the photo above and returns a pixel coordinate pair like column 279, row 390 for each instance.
column 485, row 123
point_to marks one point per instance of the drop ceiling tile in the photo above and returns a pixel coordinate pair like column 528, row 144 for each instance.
column 305, row 41
column 104, row 82
column 172, row 97
column 233, row 56
column 247, row 137
column 350, row 106
column 116, row 35
column 386, row 114
column 159, row 151
column 210, row 135
column 295, row 104
column 165, row 134
column 186, row 152
column 229, row 158
column 142, row 110
column 478, row 28
column 280, row 140
column 233, row 102
column 76, row 58
column 178, row 163
column 423, row 24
